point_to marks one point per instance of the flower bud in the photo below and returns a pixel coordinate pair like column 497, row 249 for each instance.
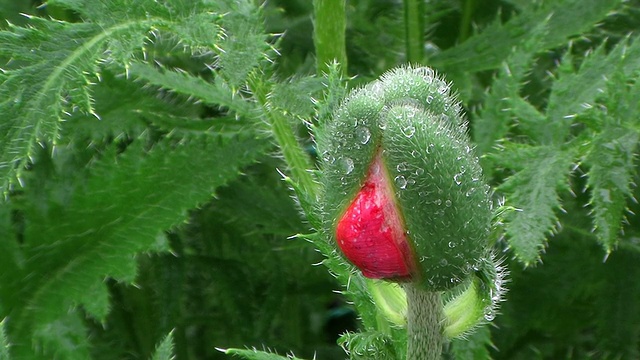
column 404, row 198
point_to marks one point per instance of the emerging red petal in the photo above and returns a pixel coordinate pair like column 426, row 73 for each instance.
column 371, row 233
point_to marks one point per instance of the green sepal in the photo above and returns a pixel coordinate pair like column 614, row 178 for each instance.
column 390, row 300
column 346, row 147
column 439, row 187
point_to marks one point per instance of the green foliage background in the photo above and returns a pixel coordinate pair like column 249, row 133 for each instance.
column 142, row 143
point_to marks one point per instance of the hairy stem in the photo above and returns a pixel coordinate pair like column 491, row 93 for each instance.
column 414, row 30
column 425, row 333
column 296, row 158
column 329, row 33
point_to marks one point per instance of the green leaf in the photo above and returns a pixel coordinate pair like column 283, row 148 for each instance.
column 132, row 197
column 611, row 155
column 574, row 92
column 244, row 44
column 503, row 102
column 39, row 87
column 368, row 345
column 534, row 192
column 216, row 92
column 164, row 350
column 257, row 354
column 488, row 49
column 611, row 173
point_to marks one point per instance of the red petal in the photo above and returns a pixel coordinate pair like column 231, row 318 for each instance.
column 371, row 232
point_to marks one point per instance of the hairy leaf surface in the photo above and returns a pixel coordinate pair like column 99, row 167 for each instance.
column 534, row 192
column 133, row 197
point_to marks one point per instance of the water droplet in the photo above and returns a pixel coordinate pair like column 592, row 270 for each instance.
column 419, row 171
column 489, row 315
column 447, row 203
column 458, row 179
column 452, row 244
column 401, row 167
column 363, row 135
column 347, row 164
column 401, row 181
column 382, row 125
column 438, row 202
column 470, row 192
column 429, row 99
column 414, row 153
column 409, row 131
column 444, row 262
column 411, row 181
column 430, row 148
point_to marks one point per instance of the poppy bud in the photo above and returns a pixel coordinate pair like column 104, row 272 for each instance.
column 404, row 197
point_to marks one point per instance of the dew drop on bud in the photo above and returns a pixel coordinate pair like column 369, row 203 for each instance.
column 419, row 171
column 447, row 203
column 457, row 179
column 409, row 131
column 347, row 164
column 401, row 181
column 489, row 315
column 363, row 135
column 430, row 148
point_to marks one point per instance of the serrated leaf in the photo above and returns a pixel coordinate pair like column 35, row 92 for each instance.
column 488, row 49
column 612, row 170
column 534, row 192
column 244, row 44
column 296, row 96
column 368, row 345
column 133, row 197
column 216, row 92
column 54, row 64
column 257, row 355
column 122, row 107
column 574, row 93
column 503, row 102
column 164, row 350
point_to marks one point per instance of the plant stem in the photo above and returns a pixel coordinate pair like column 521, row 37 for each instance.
column 294, row 155
column 329, row 34
column 414, row 30
column 425, row 335
column 465, row 22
